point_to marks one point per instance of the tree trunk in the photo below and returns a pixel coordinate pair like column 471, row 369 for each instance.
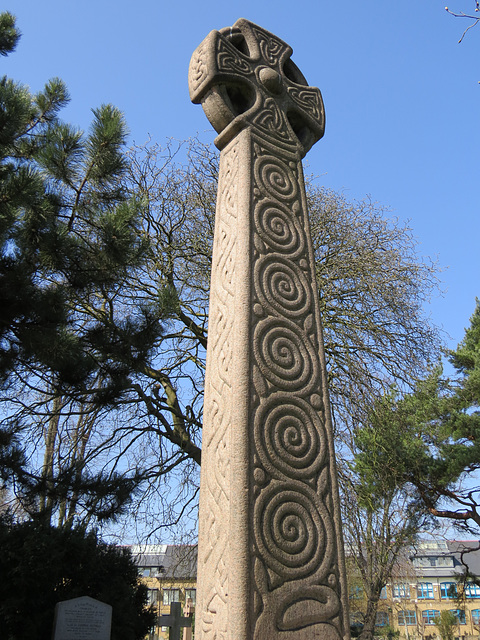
column 48, row 472
column 369, row 620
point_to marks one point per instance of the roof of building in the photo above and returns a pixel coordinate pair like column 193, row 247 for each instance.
column 180, row 561
column 466, row 552
column 446, row 558
column 171, row 561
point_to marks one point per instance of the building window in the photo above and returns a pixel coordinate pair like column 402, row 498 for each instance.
column 381, row 619
column 171, row 595
column 356, row 592
column 430, row 615
column 445, row 561
column 460, row 615
column 433, row 561
column 356, row 618
column 448, row 589
column 192, row 594
column 152, row 596
column 425, row 590
column 401, row 590
column 407, row 617
column 383, row 593
column 476, row 616
column 472, row 590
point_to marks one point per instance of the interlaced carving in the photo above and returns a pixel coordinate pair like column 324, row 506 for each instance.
column 218, row 404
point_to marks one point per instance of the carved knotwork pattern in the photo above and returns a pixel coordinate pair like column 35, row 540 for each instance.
column 307, row 99
column 198, row 67
column 229, row 59
column 295, row 547
column 212, row 567
column 271, row 48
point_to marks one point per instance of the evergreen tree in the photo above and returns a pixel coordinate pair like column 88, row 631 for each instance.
column 9, row 34
column 431, row 439
column 46, row 565
column 381, row 518
column 69, row 239
column 67, row 231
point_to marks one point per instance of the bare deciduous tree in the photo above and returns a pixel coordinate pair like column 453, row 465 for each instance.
column 475, row 19
column 372, row 285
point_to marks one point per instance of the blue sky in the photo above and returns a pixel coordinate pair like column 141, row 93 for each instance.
column 401, row 97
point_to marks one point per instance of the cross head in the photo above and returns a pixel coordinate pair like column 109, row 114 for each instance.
column 244, row 76
column 175, row 621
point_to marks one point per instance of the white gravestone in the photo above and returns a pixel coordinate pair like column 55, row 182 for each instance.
column 82, row 619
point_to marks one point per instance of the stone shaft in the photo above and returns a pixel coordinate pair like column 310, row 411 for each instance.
column 270, row 563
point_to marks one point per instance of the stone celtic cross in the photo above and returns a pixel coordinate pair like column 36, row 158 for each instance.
column 175, row 621
column 270, row 562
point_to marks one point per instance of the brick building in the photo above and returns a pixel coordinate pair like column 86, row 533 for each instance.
column 170, row 575
column 428, row 580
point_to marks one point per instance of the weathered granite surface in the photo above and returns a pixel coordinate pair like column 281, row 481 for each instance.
column 270, row 560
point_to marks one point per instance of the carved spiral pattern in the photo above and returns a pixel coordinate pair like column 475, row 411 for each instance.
column 292, row 533
column 276, row 179
column 293, row 528
column 279, row 229
column 290, row 438
column 283, row 287
column 283, row 355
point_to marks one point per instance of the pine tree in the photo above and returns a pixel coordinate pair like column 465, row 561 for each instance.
column 67, row 230
column 69, row 238
column 430, row 439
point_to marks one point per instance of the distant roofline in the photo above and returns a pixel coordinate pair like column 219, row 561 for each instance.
column 148, row 549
